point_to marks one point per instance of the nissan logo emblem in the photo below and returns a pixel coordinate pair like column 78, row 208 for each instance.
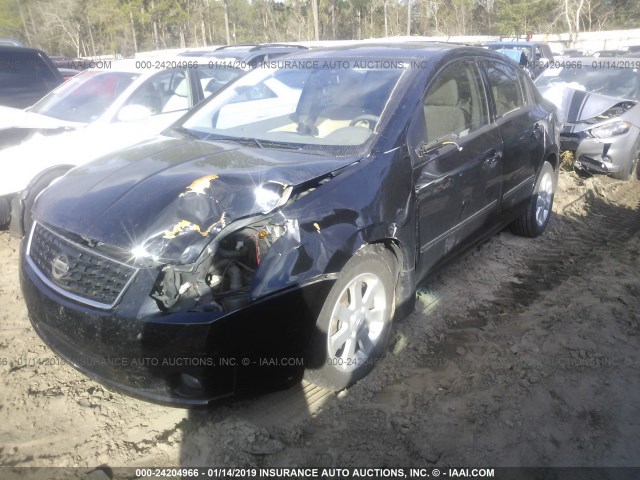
column 60, row 267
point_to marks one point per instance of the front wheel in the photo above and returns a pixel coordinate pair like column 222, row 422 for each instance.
column 354, row 324
column 627, row 170
column 536, row 218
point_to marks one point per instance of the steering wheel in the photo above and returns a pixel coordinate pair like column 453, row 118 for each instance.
column 366, row 120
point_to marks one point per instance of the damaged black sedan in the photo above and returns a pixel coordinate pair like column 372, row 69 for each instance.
column 278, row 229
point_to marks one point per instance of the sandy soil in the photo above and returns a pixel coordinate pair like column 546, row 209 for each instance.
column 521, row 353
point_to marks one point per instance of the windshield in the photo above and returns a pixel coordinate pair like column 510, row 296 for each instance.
column 86, row 96
column 619, row 83
column 299, row 106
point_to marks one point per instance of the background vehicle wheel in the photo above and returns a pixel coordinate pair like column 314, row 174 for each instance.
column 5, row 211
column 353, row 328
column 34, row 190
column 625, row 173
column 534, row 221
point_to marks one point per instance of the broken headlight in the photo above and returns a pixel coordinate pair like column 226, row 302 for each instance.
column 221, row 279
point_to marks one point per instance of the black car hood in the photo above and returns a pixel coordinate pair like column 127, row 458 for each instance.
column 168, row 197
column 579, row 109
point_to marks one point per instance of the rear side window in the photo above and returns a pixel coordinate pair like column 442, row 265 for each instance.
column 215, row 77
column 506, row 88
column 455, row 104
column 27, row 70
column 527, row 88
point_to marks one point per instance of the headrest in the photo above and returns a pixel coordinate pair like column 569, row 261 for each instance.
column 445, row 95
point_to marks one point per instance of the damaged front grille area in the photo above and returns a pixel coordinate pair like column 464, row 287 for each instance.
column 76, row 271
column 570, row 141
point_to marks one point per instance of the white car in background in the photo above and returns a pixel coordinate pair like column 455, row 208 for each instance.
column 94, row 113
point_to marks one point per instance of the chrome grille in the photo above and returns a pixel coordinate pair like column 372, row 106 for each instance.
column 77, row 271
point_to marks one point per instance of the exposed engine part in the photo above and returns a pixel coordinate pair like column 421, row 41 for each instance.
column 222, row 281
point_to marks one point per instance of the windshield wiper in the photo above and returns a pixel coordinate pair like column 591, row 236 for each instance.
column 264, row 144
column 242, row 140
column 186, row 132
column 283, row 145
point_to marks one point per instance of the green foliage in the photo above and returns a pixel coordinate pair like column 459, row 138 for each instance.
column 10, row 23
column 122, row 27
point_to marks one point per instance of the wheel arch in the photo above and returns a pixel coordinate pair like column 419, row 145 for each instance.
column 63, row 168
column 27, row 197
column 404, row 291
column 554, row 159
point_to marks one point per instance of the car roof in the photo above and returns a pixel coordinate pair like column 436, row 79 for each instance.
column 607, row 63
column 131, row 65
column 13, row 48
column 405, row 50
column 515, row 43
column 244, row 52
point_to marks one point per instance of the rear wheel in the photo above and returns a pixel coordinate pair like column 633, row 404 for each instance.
column 535, row 220
column 354, row 324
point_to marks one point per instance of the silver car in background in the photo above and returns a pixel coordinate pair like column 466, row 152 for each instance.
column 597, row 102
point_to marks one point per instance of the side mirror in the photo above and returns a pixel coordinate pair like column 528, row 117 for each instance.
column 133, row 113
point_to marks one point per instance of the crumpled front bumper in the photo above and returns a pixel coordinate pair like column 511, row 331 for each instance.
column 608, row 155
column 184, row 358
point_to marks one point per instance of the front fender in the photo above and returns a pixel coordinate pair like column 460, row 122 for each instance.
column 337, row 219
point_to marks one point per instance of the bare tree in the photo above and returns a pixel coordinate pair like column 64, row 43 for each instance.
column 316, row 24
column 226, row 21
column 386, row 20
column 572, row 10
column 133, row 31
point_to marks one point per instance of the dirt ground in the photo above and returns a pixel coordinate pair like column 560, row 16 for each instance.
column 522, row 353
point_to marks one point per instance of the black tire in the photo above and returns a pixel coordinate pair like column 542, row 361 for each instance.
column 536, row 218
column 625, row 173
column 34, row 190
column 330, row 363
column 5, row 211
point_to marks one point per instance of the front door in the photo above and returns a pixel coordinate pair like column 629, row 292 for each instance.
column 457, row 157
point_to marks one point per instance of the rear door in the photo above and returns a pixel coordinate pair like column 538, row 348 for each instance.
column 516, row 117
column 457, row 158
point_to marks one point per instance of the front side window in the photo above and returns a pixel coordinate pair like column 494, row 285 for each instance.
column 507, row 91
column 455, row 104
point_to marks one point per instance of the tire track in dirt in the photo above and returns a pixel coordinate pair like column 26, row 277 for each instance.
column 609, row 227
column 500, row 373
